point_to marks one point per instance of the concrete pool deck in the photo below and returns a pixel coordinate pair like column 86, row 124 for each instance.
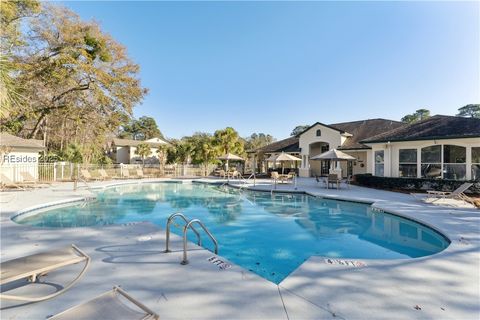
column 442, row 286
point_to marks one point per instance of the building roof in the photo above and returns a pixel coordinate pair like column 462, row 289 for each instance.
column 364, row 129
column 322, row 124
column 286, row 145
column 9, row 140
column 436, row 127
column 133, row 143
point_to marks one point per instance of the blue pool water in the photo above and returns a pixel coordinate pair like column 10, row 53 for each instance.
column 270, row 235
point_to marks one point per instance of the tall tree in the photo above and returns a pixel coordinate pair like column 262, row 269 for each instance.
column 420, row 114
column 204, row 150
column 298, row 129
column 79, row 83
column 143, row 150
column 11, row 15
column 470, row 110
column 258, row 140
column 142, row 129
column 228, row 141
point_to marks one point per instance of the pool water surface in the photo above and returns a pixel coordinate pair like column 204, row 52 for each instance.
column 269, row 234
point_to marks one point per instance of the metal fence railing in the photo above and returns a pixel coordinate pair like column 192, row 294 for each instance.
column 65, row 171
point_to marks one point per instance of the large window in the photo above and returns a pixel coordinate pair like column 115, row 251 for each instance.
column 454, row 162
column 379, row 163
column 476, row 163
column 431, row 162
column 407, row 163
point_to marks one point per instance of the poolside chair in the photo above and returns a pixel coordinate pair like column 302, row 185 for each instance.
column 457, row 194
column 39, row 264
column 275, row 176
column 235, row 174
column 141, row 174
column 103, row 174
column 87, row 176
column 108, row 305
column 28, row 178
column 6, row 182
column 333, row 179
column 222, row 174
column 126, row 174
column 320, row 179
column 348, row 180
column 288, row 178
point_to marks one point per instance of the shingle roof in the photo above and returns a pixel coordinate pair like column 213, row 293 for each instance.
column 286, row 145
column 9, row 140
column 364, row 129
column 134, row 143
column 436, row 127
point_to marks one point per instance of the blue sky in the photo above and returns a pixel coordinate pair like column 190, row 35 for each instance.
column 269, row 66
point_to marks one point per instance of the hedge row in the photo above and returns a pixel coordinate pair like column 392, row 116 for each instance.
column 413, row 184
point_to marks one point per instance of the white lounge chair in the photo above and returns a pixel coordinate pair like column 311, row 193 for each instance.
column 88, row 177
column 33, row 266
column 28, row 178
column 108, row 306
column 457, row 194
column 6, row 182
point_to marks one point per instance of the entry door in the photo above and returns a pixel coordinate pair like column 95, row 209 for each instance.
column 325, row 167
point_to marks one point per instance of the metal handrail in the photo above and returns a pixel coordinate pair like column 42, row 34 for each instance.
column 167, row 234
column 246, row 181
column 185, row 229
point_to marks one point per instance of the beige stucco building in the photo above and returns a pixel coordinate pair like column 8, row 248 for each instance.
column 124, row 150
column 19, row 155
column 439, row 147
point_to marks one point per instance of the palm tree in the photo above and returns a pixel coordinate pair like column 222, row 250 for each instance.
column 228, row 141
column 207, row 153
column 143, row 150
column 162, row 153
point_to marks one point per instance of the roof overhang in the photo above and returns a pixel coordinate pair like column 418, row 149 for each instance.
column 419, row 139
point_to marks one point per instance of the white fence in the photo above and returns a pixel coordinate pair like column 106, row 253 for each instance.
column 64, row 171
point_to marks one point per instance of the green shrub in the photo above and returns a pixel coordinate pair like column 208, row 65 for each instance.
column 413, row 184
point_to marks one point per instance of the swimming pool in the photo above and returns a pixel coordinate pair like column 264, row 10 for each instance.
column 269, row 234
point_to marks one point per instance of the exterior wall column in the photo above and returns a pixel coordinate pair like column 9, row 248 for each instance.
column 419, row 162
column 370, row 165
column 469, row 163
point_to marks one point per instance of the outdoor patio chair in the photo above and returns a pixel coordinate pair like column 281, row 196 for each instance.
column 275, row 176
column 141, row 174
column 457, row 194
column 39, row 264
column 348, row 180
column 6, row 183
column 28, row 178
column 87, row 176
column 126, row 174
column 103, row 174
column 222, row 174
column 288, row 178
column 333, row 179
column 235, row 174
column 322, row 180
column 108, row 305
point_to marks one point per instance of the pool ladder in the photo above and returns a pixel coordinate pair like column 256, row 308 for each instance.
column 188, row 225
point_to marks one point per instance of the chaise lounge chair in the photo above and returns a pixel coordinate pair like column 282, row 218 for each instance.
column 6, row 182
column 87, row 176
column 33, row 266
column 108, row 306
column 126, row 174
column 457, row 194
column 28, row 178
